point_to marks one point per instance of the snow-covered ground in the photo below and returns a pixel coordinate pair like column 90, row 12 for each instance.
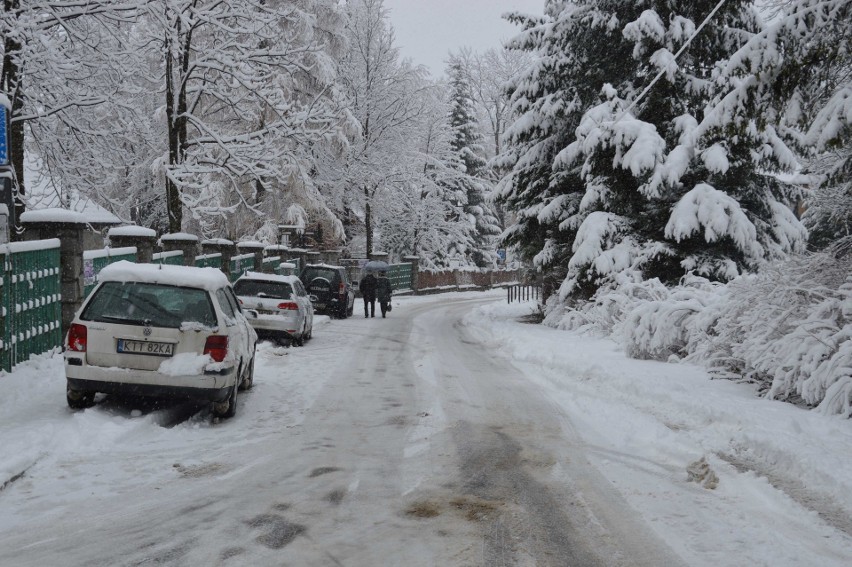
column 783, row 498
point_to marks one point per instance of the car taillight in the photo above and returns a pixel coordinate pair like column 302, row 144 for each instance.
column 341, row 289
column 77, row 337
column 288, row 306
column 217, row 347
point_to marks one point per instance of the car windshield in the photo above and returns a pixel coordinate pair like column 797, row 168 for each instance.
column 136, row 303
column 311, row 273
column 260, row 288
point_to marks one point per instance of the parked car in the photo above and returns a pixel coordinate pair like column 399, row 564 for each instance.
column 330, row 289
column 164, row 331
column 285, row 311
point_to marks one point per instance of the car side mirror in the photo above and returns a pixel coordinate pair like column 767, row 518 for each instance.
column 251, row 314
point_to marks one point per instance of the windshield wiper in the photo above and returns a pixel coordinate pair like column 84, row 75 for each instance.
column 122, row 320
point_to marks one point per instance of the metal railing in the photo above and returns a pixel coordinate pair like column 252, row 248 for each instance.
column 96, row 260
column 523, row 292
column 30, row 293
column 209, row 261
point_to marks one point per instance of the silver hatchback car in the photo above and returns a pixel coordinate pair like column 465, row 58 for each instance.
column 285, row 311
column 165, row 331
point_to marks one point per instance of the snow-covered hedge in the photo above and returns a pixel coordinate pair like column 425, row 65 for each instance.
column 787, row 329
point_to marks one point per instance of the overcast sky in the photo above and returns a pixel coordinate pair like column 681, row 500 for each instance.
column 426, row 30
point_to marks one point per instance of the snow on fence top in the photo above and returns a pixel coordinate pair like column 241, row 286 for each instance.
column 243, row 257
column 209, row 256
column 108, row 252
column 54, row 215
column 178, row 236
column 131, row 231
column 169, row 254
column 29, row 246
column 218, row 242
column 251, row 244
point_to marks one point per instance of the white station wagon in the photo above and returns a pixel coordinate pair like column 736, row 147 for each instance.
column 164, row 331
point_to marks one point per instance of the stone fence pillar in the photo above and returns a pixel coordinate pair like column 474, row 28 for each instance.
column 415, row 271
column 299, row 254
column 71, row 229
column 331, row 257
column 221, row 246
column 313, row 257
column 253, row 247
column 142, row 238
column 185, row 242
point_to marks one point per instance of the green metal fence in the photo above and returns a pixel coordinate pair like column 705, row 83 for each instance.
column 295, row 261
column 241, row 264
column 400, row 276
column 270, row 265
column 31, row 314
column 209, row 261
column 172, row 258
column 96, row 260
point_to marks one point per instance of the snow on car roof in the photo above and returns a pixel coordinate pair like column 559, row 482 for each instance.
column 268, row 277
column 210, row 279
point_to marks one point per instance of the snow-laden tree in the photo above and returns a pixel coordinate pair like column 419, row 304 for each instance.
column 62, row 62
column 249, row 89
column 797, row 74
column 387, row 96
column 680, row 182
column 487, row 74
column 471, row 186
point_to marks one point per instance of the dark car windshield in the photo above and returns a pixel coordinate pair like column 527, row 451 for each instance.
column 312, row 272
column 158, row 305
column 260, row 288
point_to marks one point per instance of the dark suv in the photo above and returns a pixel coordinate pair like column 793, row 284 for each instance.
column 330, row 289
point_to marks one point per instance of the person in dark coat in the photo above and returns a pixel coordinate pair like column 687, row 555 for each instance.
column 368, row 291
column 383, row 292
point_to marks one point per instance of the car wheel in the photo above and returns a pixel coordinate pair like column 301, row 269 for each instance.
column 79, row 399
column 228, row 408
column 248, row 378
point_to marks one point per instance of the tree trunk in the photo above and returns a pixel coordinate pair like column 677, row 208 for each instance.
column 11, row 86
column 368, row 221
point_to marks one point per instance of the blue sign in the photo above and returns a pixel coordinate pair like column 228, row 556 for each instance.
column 4, row 129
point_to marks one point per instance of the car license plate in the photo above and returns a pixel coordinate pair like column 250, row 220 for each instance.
column 145, row 347
column 265, row 312
column 319, row 305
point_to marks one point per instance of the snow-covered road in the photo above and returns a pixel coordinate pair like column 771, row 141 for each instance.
column 447, row 434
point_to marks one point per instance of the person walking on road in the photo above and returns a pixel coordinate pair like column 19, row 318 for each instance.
column 368, row 291
column 383, row 292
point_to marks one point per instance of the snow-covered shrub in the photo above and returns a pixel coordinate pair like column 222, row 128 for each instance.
column 663, row 328
column 787, row 329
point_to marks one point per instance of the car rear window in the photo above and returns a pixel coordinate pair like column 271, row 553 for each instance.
column 310, row 273
column 157, row 305
column 260, row 288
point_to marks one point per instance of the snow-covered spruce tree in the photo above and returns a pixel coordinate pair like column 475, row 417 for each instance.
column 662, row 190
column 569, row 61
column 799, row 73
column 472, row 187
